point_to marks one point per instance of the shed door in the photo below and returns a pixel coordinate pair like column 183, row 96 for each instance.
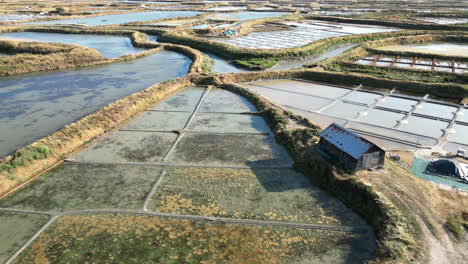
column 366, row 161
column 370, row 160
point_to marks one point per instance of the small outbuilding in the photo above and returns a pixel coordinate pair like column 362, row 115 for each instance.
column 352, row 151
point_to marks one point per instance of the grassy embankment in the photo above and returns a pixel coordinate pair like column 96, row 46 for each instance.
column 37, row 56
column 346, row 62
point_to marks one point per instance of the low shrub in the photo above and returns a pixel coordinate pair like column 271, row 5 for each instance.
column 454, row 225
column 25, row 156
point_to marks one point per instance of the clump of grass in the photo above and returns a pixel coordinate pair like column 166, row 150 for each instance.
column 169, row 81
column 25, row 156
column 454, row 225
column 207, row 64
column 256, row 63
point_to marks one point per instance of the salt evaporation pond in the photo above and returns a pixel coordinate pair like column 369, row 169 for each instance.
column 34, row 105
column 442, row 48
column 108, row 46
column 300, row 34
column 123, row 18
column 390, row 116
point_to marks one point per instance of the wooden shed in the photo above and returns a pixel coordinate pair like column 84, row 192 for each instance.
column 352, row 151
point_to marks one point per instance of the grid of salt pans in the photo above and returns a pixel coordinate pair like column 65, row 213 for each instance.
column 297, row 37
column 416, row 64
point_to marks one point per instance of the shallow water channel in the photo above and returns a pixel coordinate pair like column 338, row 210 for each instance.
column 108, row 46
column 34, row 105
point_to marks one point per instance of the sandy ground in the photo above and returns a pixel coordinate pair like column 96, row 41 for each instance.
column 405, row 156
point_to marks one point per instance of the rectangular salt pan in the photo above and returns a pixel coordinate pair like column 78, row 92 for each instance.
column 424, row 126
column 436, row 110
column 397, row 103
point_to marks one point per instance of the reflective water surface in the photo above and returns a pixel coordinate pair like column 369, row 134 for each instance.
column 108, row 46
column 122, row 18
column 34, row 105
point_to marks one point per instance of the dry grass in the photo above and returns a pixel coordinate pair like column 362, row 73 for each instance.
column 58, row 56
column 139, row 239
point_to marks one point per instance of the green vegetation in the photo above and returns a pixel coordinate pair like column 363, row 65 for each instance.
column 454, row 225
column 256, row 63
column 24, row 156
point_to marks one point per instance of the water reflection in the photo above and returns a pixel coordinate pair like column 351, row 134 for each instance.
column 108, row 46
column 35, row 105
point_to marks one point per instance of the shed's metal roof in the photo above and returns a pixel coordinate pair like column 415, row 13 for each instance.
column 346, row 140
